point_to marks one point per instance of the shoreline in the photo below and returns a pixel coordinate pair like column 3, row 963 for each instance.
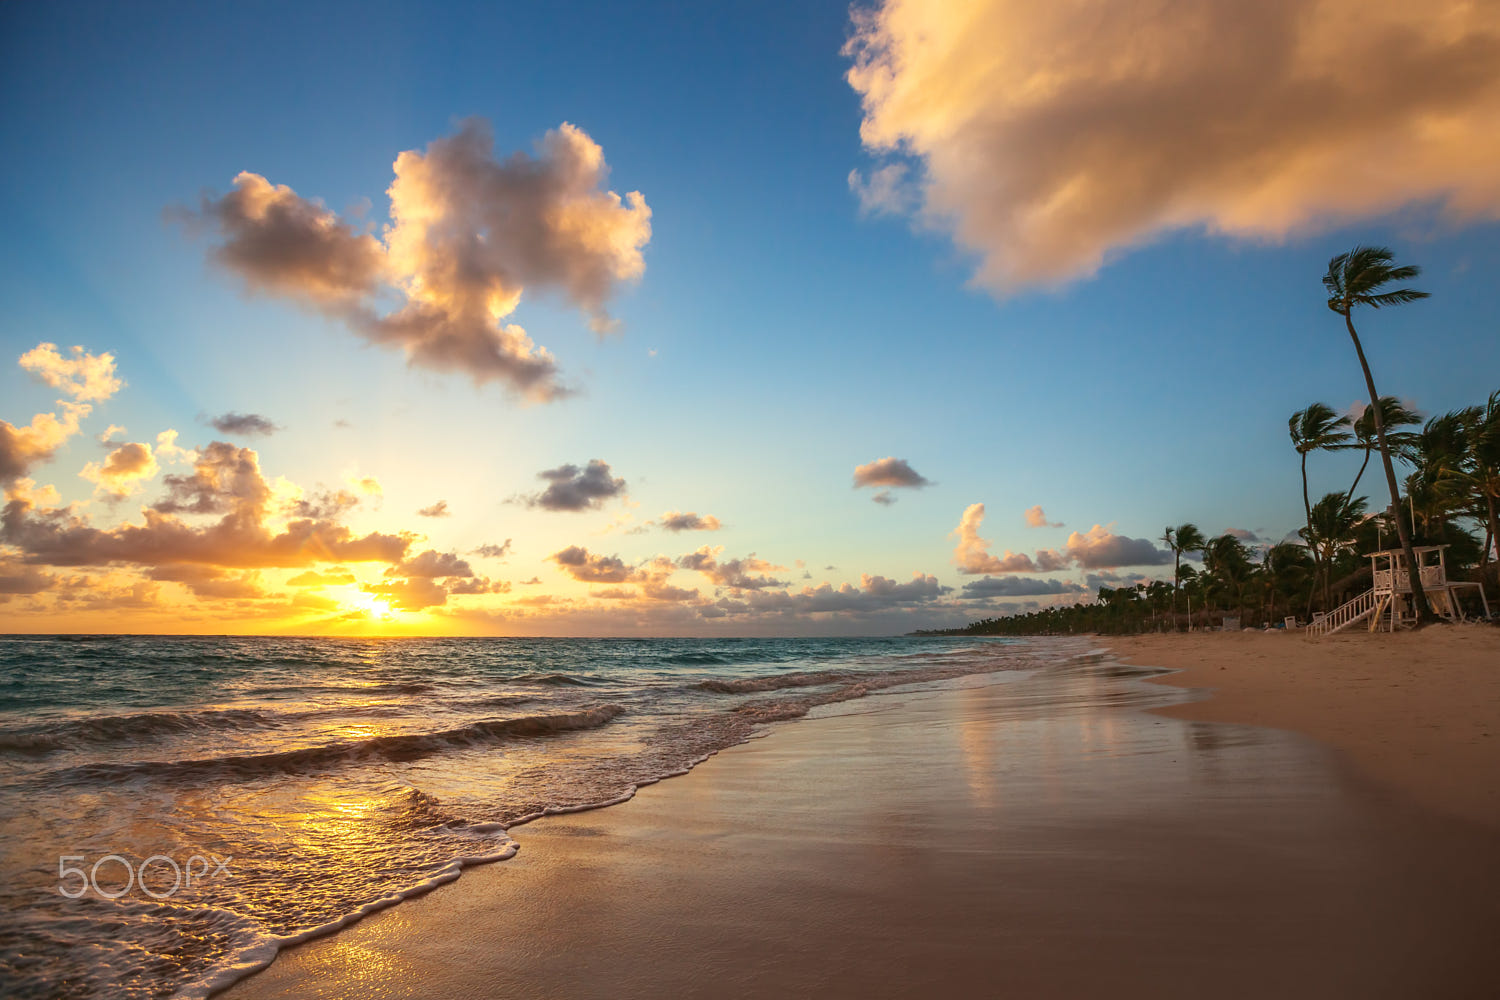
column 980, row 834
column 1416, row 713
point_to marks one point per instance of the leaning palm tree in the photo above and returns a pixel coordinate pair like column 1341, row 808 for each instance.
column 1355, row 278
column 1316, row 428
column 1183, row 538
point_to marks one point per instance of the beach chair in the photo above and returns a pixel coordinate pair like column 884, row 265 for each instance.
column 1290, row 621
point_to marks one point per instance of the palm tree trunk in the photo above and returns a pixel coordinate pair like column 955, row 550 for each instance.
column 1493, row 528
column 1349, row 497
column 1312, row 595
column 1176, row 581
column 1413, row 571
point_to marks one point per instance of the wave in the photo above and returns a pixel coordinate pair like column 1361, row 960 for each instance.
column 128, row 728
column 775, row 682
column 498, row 701
column 556, row 680
column 696, row 659
column 406, row 747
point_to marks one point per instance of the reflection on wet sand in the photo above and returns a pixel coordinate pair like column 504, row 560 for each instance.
column 1033, row 836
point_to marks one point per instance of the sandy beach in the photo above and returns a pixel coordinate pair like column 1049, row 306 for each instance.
column 1416, row 712
column 1073, row 832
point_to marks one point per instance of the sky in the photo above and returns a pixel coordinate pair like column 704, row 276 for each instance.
column 729, row 319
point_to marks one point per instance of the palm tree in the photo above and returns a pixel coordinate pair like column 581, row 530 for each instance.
column 1331, row 531
column 1392, row 414
column 1286, row 565
column 1227, row 560
column 1354, row 279
column 1471, row 472
column 1316, row 428
column 1183, row 538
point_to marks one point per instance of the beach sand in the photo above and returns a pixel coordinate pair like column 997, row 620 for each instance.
column 1008, row 836
column 1416, row 712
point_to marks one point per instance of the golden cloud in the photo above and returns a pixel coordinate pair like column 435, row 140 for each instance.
column 468, row 234
column 1049, row 135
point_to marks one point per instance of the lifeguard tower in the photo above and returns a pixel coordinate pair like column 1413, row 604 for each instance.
column 1387, row 605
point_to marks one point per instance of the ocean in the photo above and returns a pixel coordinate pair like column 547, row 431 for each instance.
column 175, row 810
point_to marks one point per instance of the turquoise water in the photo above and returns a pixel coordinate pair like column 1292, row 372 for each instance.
column 210, row 800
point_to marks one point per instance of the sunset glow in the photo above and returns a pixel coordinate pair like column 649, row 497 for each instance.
column 537, row 357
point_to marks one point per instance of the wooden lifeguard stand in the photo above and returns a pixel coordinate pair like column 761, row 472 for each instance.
column 1392, row 586
column 1388, row 604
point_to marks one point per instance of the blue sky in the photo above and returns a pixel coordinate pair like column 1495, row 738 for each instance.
column 779, row 337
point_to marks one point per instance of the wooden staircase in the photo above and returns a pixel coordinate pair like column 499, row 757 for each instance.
column 1346, row 614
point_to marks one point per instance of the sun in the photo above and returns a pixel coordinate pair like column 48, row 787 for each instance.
column 377, row 608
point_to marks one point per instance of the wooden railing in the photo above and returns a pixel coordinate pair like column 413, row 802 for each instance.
column 1343, row 616
column 1431, row 576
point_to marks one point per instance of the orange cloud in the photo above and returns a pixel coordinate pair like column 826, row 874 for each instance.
column 972, row 554
column 1049, row 135
column 468, row 234
column 123, row 471
column 226, row 481
column 25, row 447
column 1037, row 518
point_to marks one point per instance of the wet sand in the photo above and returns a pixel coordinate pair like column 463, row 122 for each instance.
column 994, row 836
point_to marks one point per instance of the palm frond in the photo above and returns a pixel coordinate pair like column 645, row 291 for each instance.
column 1397, row 297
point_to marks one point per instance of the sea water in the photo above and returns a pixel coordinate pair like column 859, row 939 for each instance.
column 174, row 810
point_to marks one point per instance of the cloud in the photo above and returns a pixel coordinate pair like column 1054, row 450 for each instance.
column 578, row 563
column 243, row 424
column 874, row 594
column 885, row 498
column 887, row 191
column 1096, row 549
column 1115, row 580
column 1018, row 586
column 431, row 563
column 167, row 450
column 572, row 489
column 439, row 509
column 677, row 521
column 1101, row 548
column 19, row 579
column 972, row 554
column 468, row 234
column 123, row 471
column 84, row 377
column 1243, row 534
column 889, row 472
column 410, row 595
column 1050, row 136
column 478, row 585
column 109, row 433
column 736, row 574
column 209, row 582
column 227, row 482
column 87, row 378
column 330, row 578
column 368, row 485
column 284, row 244
column 1038, row 519
column 492, row 551
column 25, row 447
